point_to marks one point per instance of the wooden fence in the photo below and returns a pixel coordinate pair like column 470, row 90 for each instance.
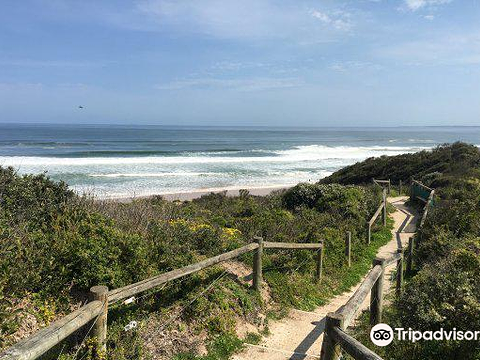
column 383, row 184
column 95, row 312
column 335, row 339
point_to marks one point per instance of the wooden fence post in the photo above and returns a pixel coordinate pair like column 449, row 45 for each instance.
column 411, row 249
column 331, row 350
column 389, row 186
column 376, row 295
column 257, row 265
column 384, row 207
column 348, row 248
column 399, row 272
column 318, row 275
column 400, row 188
column 100, row 293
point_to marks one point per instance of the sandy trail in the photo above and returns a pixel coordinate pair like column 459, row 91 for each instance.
column 299, row 336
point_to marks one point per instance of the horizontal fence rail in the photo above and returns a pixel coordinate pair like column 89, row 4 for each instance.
column 141, row 286
column 45, row 339
column 350, row 309
column 428, row 203
column 280, row 245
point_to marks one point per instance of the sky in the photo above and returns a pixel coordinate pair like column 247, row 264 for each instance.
column 244, row 62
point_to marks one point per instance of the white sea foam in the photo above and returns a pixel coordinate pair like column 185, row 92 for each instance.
column 146, row 174
column 296, row 154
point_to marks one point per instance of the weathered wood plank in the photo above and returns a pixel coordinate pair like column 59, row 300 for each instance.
column 100, row 293
column 392, row 259
column 352, row 346
column 421, row 185
column 282, row 245
column 349, row 310
column 319, row 265
column 377, row 213
column 257, row 265
column 426, row 207
column 331, row 349
column 381, row 181
column 376, row 297
column 43, row 340
column 133, row 289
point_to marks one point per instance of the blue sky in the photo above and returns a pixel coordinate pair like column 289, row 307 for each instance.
column 245, row 62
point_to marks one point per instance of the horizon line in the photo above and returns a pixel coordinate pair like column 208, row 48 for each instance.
column 241, row 126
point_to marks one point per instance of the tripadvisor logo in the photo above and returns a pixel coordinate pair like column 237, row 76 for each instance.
column 383, row 334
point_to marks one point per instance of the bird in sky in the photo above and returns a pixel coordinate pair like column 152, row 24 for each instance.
column 80, row 107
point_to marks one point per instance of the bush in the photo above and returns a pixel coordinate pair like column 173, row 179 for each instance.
column 426, row 166
column 348, row 202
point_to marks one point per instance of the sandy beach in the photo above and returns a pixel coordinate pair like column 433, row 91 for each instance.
column 190, row 195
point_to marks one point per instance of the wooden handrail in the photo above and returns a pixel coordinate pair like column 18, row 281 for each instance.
column 377, row 213
column 282, row 245
column 393, row 259
column 43, row 340
column 352, row 346
column 350, row 309
column 426, row 207
column 141, row 286
column 382, row 206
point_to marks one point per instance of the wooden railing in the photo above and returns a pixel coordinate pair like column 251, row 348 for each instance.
column 335, row 339
column 96, row 311
column 421, row 195
column 382, row 206
column 383, row 184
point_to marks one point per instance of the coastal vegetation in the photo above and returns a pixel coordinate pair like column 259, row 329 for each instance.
column 55, row 245
column 444, row 290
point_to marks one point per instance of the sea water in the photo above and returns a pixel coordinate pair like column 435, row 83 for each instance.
column 130, row 160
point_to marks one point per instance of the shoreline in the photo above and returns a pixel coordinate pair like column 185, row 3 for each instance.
column 195, row 194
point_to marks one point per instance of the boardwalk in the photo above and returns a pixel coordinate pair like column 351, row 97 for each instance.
column 299, row 336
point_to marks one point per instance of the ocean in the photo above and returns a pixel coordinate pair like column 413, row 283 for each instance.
column 114, row 161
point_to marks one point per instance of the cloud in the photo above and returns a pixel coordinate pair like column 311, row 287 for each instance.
column 340, row 20
column 346, row 66
column 415, row 5
column 233, row 19
column 245, row 84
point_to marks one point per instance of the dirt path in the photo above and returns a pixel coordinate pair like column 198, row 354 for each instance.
column 299, row 336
